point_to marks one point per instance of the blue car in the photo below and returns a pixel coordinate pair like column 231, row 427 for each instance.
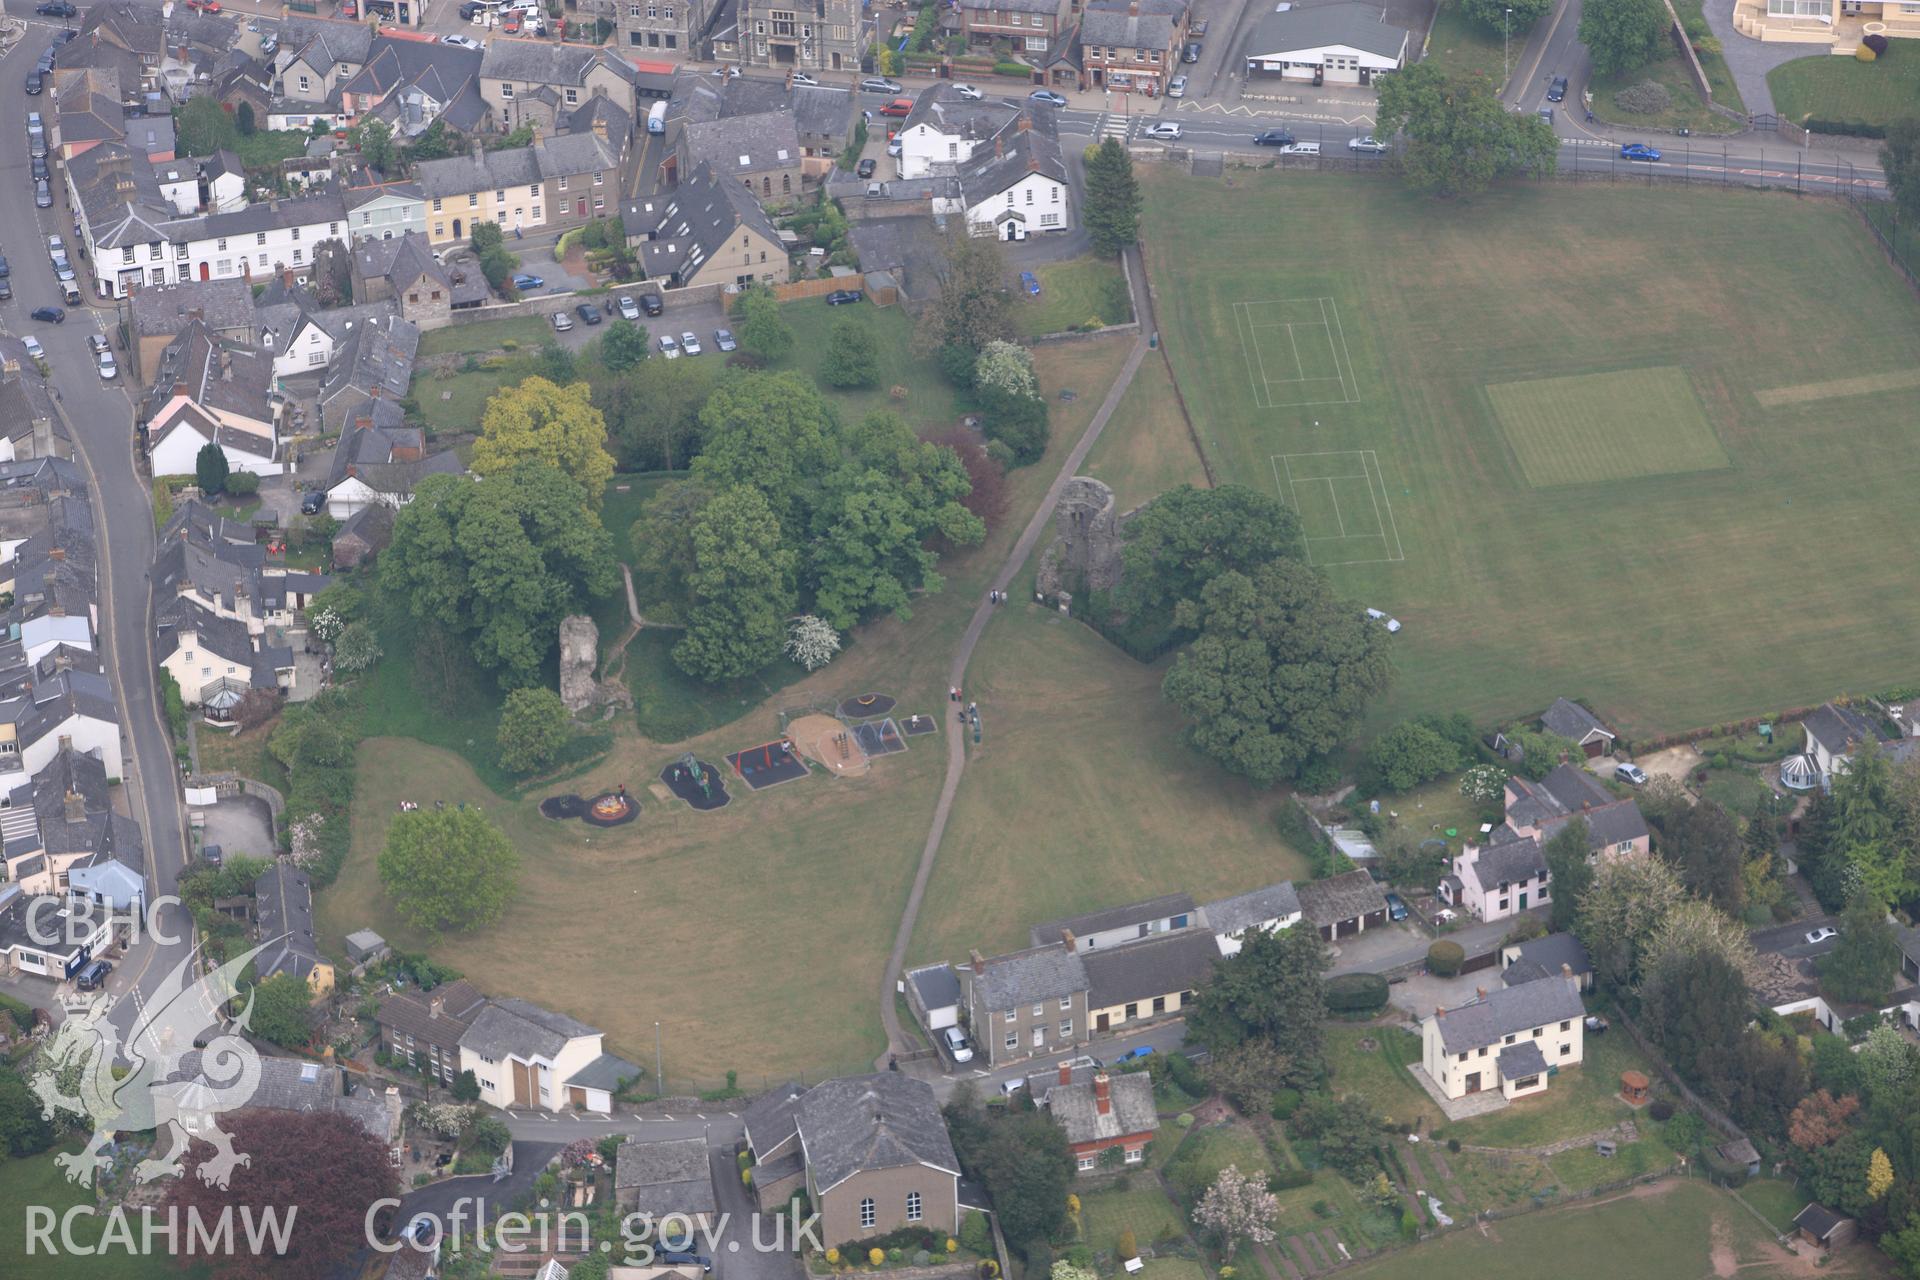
column 1048, row 96
column 1638, row 151
column 1030, row 283
column 523, row 282
column 1135, row 1055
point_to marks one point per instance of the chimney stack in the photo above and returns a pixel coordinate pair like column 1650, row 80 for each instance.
column 57, row 553
column 999, row 147
column 1480, row 993
column 436, row 1006
column 1102, row 1094
column 1066, row 936
column 979, row 961
column 1066, row 1071
column 76, row 807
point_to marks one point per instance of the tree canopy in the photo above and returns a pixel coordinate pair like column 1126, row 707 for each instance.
column 1865, row 959
column 498, row 562
column 1458, row 136
column 849, row 360
column 1111, row 207
column 970, row 306
column 1187, row 537
column 448, row 869
column 1270, row 991
column 1503, row 16
column 1281, row 669
column 1900, row 158
column 653, row 413
column 555, row 426
column 763, row 331
column 210, row 469
column 625, row 345
column 1622, row 35
column 283, row 1011
column 1567, row 862
column 740, row 586
column 1020, row 1156
column 1703, row 843
column 534, row 726
column 1409, row 754
column 1622, row 910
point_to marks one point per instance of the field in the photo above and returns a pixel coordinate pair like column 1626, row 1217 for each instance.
column 1829, row 88
column 812, row 875
column 1397, row 377
column 1146, row 447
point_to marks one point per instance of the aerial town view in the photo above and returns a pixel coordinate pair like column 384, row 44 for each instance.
column 960, row 639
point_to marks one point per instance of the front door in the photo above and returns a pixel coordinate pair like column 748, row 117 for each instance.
column 1100, row 1023
column 456, row 228
column 1473, row 1082
column 580, row 207
column 522, row 1086
column 206, row 271
column 1523, row 900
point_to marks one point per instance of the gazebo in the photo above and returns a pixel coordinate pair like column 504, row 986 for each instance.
column 1633, row 1087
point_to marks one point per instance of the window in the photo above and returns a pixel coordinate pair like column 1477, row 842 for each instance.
column 1066, row 1003
column 913, row 1206
column 1526, row 1083
column 296, row 256
column 437, row 204
column 439, row 230
column 263, row 259
column 296, row 234
column 506, row 90
column 1012, row 1015
column 1133, row 1011
column 599, row 178
column 1013, row 1040
column 573, row 97
column 1566, row 1051
column 1039, row 1010
column 223, row 267
column 1817, row 9
column 365, row 219
column 1483, row 1053
column 1567, row 1025
column 1086, row 1162
column 633, row 11
column 534, row 191
column 563, row 182
column 126, row 253
column 1159, row 1004
column 499, row 197
column 260, row 237
column 316, row 357
column 333, row 228
column 180, row 250
column 868, row 1216
column 1066, row 1029
column 1029, row 196
column 1463, row 1057
column 473, row 200
column 303, row 84
column 414, row 298
column 536, row 213
column 221, row 244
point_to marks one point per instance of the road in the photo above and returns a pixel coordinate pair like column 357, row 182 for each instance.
column 100, row 416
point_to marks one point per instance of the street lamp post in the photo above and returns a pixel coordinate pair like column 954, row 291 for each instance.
column 1506, row 50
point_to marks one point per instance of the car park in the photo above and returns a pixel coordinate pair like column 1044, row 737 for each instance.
column 629, row 309
column 668, row 347
column 588, row 312
column 690, row 343
column 94, row 976
column 841, row 297
column 898, row 107
column 525, row 281
column 1164, row 131
column 1390, row 623
column 50, row 315
column 1820, row 935
column 1396, row 907
column 864, row 169
column 1047, row 96
column 1367, row 144
column 967, row 93
column 42, row 194
column 1030, row 282
column 462, row 42
column 723, row 339
column 954, row 1040
column 1177, row 87
column 1273, row 138
column 879, row 84
column 1631, row 774
column 651, row 304
column 1639, row 151
column 562, row 322
column 1557, row 91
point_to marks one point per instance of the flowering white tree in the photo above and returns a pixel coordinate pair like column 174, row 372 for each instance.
column 812, row 642
column 1237, row 1207
column 1484, row 783
column 326, row 625
column 1008, row 367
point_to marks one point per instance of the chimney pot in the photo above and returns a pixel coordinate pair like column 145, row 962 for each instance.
column 999, row 147
column 1066, row 936
column 1480, row 993
column 1102, row 1093
column 1066, row 1071
column 979, row 961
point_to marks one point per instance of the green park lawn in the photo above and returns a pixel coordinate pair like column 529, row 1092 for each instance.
column 930, row 404
column 38, row 1181
column 1071, row 293
column 1824, row 87
column 1146, row 447
column 527, row 331
column 1351, row 372
column 1776, row 1199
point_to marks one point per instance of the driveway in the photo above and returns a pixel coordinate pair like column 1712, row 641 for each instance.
column 479, row 1193
column 1676, row 763
column 1422, row 993
column 1378, row 950
column 737, row 1255
column 240, row 826
column 1749, row 60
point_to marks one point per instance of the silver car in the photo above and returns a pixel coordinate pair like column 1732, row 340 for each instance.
column 562, row 322
column 1177, row 87
column 629, row 309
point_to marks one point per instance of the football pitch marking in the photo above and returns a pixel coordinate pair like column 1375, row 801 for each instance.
column 1359, row 530
column 1296, row 352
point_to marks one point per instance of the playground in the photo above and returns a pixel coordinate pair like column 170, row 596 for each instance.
column 696, row 782
column 769, row 765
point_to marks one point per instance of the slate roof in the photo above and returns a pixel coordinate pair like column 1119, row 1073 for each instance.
column 1252, row 908
column 283, row 909
column 1571, row 720
column 215, row 373
column 1839, row 729
column 739, row 145
column 665, row 1177
column 516, row 1028
column 1075, row 1108
column 1358, row 26
column 1521, row 1059
column 1347, row 896
column 1179, row 961
column 887, row 1120
column 769, row 1118
column 224, row 305
column 74, row 812
column 1048, row 7
column 1027, row 977
column 373, row 359
column 411, row 1013
column 1113, row 26
column 87, row 103
column 1543, row 958
column 445, row 73
column 1505, row 1012
column 1035, row 149
column 679, row 229
column 1818, row 1221
column 550, row 158
column 941, row 109
column 285, row 1084
column 607, row 1072
column 402, row 260
column 537, row 62
column 1616, row 822
column 1509, row 862
column 937, row 985
column 1081, row 926
column 322, row 44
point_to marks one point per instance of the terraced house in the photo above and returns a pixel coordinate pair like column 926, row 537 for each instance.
column 531, row 82
column 555, row 183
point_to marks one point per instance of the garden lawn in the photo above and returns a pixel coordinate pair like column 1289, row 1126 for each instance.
column 1687, row 108
column 1073, row 292
column 1673, row 1230
column 267, row 148
column 1348, row 372
column 1381, row 1074
column 1775, row 1199
column 38, row 1181
column 527, row 331
column 1579, row 1100
column 1462, row 45
column 931, row 403
column 1104, row 1214
column 1146, row 447
column 1172, row 1269
column 1738, row 791
column 1210, row 1150
column 455, row 403
column 1824, row 87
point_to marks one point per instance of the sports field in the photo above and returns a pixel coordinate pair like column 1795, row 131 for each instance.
column 1641, row 446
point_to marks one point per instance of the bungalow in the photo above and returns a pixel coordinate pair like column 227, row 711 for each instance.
column 1511, row 1040
column 1263, row 910
column 1325, row 44
column 1499, row 880
column 1117, row 926
column 1344, row 904
column 423, row 1028
column 660, row 1179
column 1147, row 980
column 283, row 916
column 1557, row 955
column 1574, row 722
column 1027, row 1003
column 1104, row 1112
column 527, row 1056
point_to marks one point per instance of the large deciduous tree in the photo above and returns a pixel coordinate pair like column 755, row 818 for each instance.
column 554, row 426
column 653, row 413
column 1503, row 16
column 849, row 360
column 318, row 1170
column 764, row 332
column 1458, row 136
column 1703, row 843
column 1694, row 984
column 1187, row 537
column 1281, row 669
column 534, row 725
column 741, row 588
column 970, row 307
column 623, row 346
column 1021, row 1156
column 283, row 1011
column 1409, row 754
column 1111, row 209
column 1622, row 35
column 1866, row 959
column 498, row 563
column 1621, row 911
column 1568, row 862
column 662, row 543
column 1238, row 1207
column 448, row 869
column 1269, row 991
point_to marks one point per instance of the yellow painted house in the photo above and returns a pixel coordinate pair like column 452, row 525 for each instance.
column 1838, row 24
column 283, row 915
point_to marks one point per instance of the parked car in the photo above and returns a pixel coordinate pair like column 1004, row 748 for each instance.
column 56, row 247
column 1136, row 1053
column 34, row 349
column 967, row 93
column 104, row 361
column 1199, row 29
column 96, row 343
column 690, row 343
column 1030, row 282
column 312, row 501
column 213, row 854
column 864, row 169
column 651, row 304
column 840, row 297
column 1010, row 1087
column 1396, row 907
column 1639, row 151
column 42, row 194
column 894, row 148
column 562, row 322
column 6, row 291
column 62, row 269
column 1631, row 774
column 879, row 84
column 525, row 281
column 668, row 347
column 1301, row 149
column 1557, row 91
column 1048, row 96
column 899, row 107
column 1273, row 138
column 723, row 339
column 1821, row 934
column 5, row 270
column 801, row 77
column 39, row 167
column 49, row 315
column 956, row 1044
column 1164, row 131
column 462, row 42
column 1177, row 87
column 204, row 6
column 36, row 84
column 1546, row 113
column 512, row 23
column 1368, row 144
column 682, row 1258
column 471, row 8
column 56, row 9
column 588, row 312
column 629, row 309
column 1390, row 623
column 94, row 976
column 1191, row 53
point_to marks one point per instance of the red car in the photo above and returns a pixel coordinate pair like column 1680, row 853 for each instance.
column 511, row 23
column 898, row 107
column 204, row 6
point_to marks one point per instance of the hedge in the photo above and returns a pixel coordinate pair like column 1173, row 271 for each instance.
column 1847, row 128
column 1358, row 992
column 1445, row 958
column 1288, row 1179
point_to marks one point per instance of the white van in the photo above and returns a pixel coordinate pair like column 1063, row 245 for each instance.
column 1301, row 149
column 657, row 117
